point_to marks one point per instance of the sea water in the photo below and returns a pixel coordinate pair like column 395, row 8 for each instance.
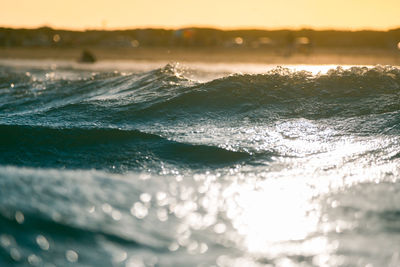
column 153, row 164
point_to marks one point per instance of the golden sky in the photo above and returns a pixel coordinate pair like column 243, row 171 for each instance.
column 318, row 14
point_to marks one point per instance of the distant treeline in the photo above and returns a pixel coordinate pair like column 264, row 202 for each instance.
column 199, row 37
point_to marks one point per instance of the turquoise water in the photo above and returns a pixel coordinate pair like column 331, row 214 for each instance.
column 153, row 164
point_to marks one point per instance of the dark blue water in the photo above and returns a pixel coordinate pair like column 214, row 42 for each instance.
column 119, row 165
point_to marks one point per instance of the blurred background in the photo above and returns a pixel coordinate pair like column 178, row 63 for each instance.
column 306, row 31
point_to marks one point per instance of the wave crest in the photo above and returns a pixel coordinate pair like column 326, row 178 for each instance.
column 166, row 93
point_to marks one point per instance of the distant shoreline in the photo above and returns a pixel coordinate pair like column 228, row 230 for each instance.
column 212, row 55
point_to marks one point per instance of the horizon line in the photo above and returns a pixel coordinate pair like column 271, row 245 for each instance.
column 158, row 27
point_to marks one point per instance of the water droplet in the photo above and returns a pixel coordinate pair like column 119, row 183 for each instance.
column 203, row 248
column 106, row 208
column 56, row 38
column 34, row 260
column 15, row 255
column 192, row 247
column 92, row 209
column 135, row 43
column 173, row 247
column 162, row 215
column 116, row 215
column 6, row 240
column 161, row 198
column 19, row 217
column 183, row 240
column 71, row 256
column 139, row 210
column 56, row 217
column 145, row 197
column 42, row 242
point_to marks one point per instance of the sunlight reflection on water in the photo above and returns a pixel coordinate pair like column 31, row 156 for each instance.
column 303, row 189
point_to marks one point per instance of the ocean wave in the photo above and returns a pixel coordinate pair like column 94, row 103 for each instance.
column 155, row 168
column 166, row 94
column 356, row 91
column 112, row 149
column 167, row 89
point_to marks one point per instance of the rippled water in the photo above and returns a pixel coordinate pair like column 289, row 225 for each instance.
column 150, row 164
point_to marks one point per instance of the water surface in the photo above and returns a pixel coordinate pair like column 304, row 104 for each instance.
column 156, row 164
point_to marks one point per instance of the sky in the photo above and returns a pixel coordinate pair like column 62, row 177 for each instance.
column 268, row 14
